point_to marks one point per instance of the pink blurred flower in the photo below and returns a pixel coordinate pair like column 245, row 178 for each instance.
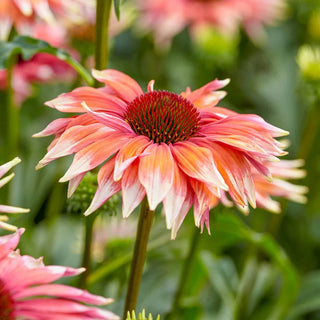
column 18, row 13
column 167, row 18
column 26, row 291
column 42, row 67
column 8, row 209
column 180, row 150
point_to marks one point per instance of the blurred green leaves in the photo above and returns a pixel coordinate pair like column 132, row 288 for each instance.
column 244, row 293
column 26, row 47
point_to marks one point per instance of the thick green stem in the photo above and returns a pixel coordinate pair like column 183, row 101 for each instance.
column 139, row 255
column 102, row 26
column 186, row 269
column 311, row 128
column 87, row 250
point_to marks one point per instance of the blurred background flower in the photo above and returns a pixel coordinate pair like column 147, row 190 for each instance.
column 4, row 208
column 167, row 18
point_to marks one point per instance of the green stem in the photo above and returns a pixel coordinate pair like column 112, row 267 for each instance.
column 12, row 116
column 102, row 26
column 87, row 250
column 82, row 71
column 139, row 255
column 101, row 60
column 311, row 128
column 185, row 274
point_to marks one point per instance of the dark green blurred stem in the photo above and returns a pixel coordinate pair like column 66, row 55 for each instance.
column 139, row 255
column 185, row 274
column 102, row 26
column 87, row 250
column 12, row 117
column 311, row 128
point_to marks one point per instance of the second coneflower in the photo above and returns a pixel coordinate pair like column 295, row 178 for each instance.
column 178, row 150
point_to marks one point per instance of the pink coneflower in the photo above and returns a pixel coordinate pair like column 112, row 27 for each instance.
column 8, row 209
column 26, row 291
column 167, row 18
column 178, row 150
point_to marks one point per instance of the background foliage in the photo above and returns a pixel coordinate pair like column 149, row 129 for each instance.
column 251, row 267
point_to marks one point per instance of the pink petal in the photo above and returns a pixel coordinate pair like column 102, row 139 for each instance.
column 73, row 140
column 173, row 201
column 62, row 291
column 127, row 88
column 206, row 92
column 18, row 266
column 54, row 127
column 202, row 200
column 132, row 190
column 128, row 153
column 197, row 162
column 107, row 187
column 156, row 173
column 74, row 183
column 9, row 243
column 111, row 121
column 96, row 100
column 94, row 154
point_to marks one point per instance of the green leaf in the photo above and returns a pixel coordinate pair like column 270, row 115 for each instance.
column 116, row 4
column 308, row 299
column 27, row 47
column 233, row 228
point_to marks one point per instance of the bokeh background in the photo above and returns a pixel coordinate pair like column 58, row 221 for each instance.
column 240, row 271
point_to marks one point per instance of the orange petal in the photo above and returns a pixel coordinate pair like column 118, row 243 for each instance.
column 173, row 201
column 156, row 173
column 132, row 190
column 197, row 162
column 94, row 154
column 107, row 187
column 127, row 88
column 128, row 153
column 96, row 100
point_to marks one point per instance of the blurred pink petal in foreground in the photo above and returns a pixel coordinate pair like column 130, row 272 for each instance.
column 179, row 150
column 8, row 209
column 26, row 291
column 167, row 18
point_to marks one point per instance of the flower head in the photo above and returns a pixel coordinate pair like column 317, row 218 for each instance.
column 167, row 18
column 3, row 208
column 179, row 150
column 26, row 291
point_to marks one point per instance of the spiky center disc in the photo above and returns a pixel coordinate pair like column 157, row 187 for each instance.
column 6, row 303
column 163, row 117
